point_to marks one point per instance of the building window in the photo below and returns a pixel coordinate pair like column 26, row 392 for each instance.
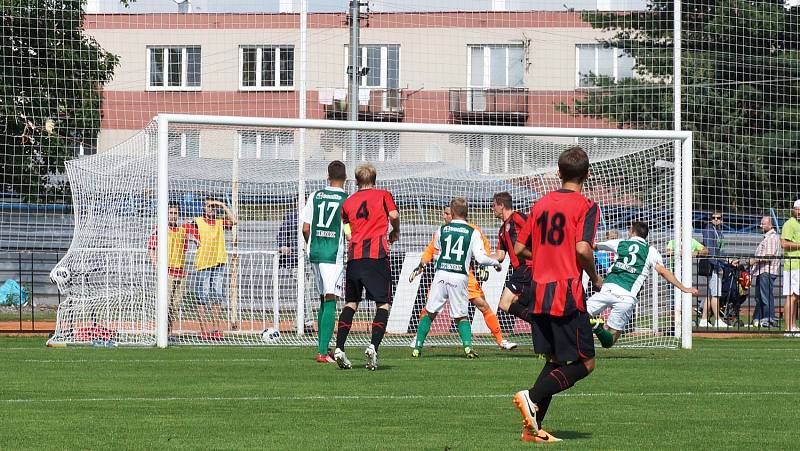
column 501, row 66
column 173, row 68
column 278, row 145
column 382, row 65
column 595, row 59
column 185, row 143
column 495, row 154
column 266, row 67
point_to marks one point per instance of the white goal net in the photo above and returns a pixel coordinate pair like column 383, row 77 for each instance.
column 109, row 275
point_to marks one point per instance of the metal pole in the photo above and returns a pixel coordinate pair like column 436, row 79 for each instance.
column 301, row 185
column 163, row 231
column 680, row 327
column 355, row 73
column 686, row 254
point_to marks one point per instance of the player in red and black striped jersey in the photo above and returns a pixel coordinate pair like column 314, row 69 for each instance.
column 367, row 213
column 561, row 227
column 519, row 276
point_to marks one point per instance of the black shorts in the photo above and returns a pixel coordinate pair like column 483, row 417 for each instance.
column 568, row 338
column 519, row 279
column 371, row 274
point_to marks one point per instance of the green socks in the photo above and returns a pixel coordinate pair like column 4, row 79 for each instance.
column 422, row 331
column 465, row 332
column 605, row 337
column 326, row 319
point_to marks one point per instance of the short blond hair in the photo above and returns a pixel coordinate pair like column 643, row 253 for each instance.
column 459, row 208
column 365, row 175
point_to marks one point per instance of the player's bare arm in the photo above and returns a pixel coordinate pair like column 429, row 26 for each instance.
column 522, row 251
column 585, row 257
column 306, row 231
column 228, row 212
column 394, row 220
column 670, row 277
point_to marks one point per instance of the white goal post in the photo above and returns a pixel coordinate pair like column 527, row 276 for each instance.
column 248, row 282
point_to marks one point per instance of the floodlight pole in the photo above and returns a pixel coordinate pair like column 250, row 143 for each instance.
column 355, row 71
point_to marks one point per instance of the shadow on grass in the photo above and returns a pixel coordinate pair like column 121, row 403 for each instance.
column 571, row 435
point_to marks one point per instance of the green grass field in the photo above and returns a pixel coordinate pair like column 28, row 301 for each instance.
column 724, row 394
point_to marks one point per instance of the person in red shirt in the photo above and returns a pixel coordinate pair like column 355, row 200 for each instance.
column 560, row 229
column 519, row 277
column 367, row 213
column 177, row 245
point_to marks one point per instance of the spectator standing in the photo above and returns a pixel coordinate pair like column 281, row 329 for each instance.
column 790, row 240
column 713, row 240
column 766, row 267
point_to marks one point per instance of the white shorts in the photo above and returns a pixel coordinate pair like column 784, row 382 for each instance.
column 791, row 282
column 621, row 307
column 448, row 286
column 715, row 285
column 329, row 278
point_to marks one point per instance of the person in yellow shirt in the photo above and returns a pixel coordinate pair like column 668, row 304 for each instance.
column 210, row 262
column 178, row 242
column 475, row 293
column 790, row 241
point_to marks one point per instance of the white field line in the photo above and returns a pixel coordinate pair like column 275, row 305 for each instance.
column 382, row 397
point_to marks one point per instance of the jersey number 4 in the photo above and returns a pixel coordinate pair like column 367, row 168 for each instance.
column 552, row 228
column 363, row 212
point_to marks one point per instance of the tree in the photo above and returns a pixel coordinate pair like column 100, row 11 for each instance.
column 50, row 94
column 740, row 95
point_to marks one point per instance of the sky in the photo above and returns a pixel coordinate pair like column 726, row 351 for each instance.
column 272, row 6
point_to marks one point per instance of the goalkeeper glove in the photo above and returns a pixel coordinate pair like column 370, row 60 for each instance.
column 481, row 274
column 417, row 271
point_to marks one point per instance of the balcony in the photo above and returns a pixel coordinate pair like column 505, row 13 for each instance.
column 489, row 106
column 374, row 104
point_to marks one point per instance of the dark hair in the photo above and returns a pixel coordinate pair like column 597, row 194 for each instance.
column 337, row 171
column 174, row 205
column 458, row 207
column 641, row 229
column 573, row 165
column 503, row 199
column 210, row 199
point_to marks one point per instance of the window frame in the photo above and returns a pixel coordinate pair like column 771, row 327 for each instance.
column 616, row 53
column 165, row 73
column 259, row 71
column 274, row 136
column 384, row 65
column 486, row 82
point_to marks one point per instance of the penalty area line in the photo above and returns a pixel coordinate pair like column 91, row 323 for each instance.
column 378, row 397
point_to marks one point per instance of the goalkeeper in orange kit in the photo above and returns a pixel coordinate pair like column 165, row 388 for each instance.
column 475, row 292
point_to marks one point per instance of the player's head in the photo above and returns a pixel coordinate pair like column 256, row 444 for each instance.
column 716, row 218
column 501, row 202
column 173, row 212
column 447, row 214
column 796, row 209
column 766, row 223
column 209, row 209
column 640, row 229
column 337, row 172
column 365, row 175
column 611, row 234
column 458, row 207
column 573, row 165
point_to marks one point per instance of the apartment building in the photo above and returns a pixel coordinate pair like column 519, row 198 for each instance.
column 479, row 67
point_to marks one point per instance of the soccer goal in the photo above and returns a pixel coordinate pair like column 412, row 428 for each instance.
column 124, row 285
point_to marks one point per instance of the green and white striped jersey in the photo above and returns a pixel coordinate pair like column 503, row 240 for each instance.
column 457, row 243
column 323, row 212
column 635, row 260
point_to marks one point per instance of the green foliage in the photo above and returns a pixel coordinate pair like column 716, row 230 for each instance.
column 50, row 94
column 741, row 93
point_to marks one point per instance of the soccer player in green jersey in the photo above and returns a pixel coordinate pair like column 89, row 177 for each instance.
column 456, row 242
column 324, row 235
column 635, row 259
